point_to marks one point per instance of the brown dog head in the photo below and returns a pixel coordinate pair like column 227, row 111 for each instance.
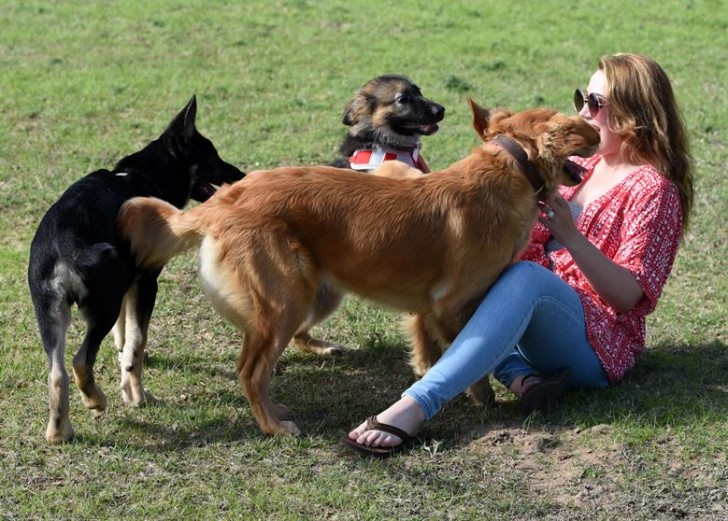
column 548, row 137
column 390, row 110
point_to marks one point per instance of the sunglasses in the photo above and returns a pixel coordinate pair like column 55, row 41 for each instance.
column 592, row 100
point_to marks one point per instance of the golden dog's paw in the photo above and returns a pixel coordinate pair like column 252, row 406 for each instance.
column 482, row 392
column 289, row 429
column 308, row 344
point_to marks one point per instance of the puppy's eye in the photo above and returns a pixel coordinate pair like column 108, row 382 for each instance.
column 401, row 98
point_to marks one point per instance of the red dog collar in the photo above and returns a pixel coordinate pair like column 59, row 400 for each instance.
column 370, row 158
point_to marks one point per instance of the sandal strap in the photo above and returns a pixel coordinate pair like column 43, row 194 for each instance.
column 375, row 425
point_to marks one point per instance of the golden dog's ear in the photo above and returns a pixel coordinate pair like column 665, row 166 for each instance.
column 480, row 118
column 484, row 120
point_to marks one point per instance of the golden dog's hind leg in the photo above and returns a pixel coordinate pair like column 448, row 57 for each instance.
column 326, row 302
column 255, row 370
column 428, row 338
column 426, row 349
column 277, row 292
column 261, row 349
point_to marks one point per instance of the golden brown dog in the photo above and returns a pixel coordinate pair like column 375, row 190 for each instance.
column 431, row 245
column 386, row 117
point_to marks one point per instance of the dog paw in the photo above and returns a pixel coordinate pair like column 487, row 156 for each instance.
column 55, row 435
column 96, row 400
column 307, row 344
column 332, row 350
column 482, row 392
column 289, row 429
column 137, row 397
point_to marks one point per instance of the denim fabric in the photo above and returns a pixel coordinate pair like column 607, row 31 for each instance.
column 531, row 321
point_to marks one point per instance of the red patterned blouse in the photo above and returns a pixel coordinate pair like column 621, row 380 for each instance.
column 637, row 225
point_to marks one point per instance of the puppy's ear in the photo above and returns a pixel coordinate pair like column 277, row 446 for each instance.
column 353, row 109
column 346, row 116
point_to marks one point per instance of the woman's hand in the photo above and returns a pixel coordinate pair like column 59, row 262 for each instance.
column 556, row 216
column 614, row 284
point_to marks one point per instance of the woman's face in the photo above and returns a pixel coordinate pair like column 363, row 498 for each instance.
column 610, row 142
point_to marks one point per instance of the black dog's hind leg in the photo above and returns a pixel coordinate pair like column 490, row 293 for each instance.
column 54, row 316
column 137, row 311
column 100, row 315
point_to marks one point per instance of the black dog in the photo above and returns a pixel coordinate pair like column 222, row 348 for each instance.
column 386, row 117
column 77, row 257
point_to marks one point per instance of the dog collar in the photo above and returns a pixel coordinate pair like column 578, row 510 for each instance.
column 371, row 158
column 528, row 168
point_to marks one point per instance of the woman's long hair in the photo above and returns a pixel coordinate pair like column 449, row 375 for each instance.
column 644, row 113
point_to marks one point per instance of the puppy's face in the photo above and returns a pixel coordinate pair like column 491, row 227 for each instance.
column 392, row 111
column 548, row 137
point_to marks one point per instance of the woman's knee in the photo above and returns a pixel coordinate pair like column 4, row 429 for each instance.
column 524, row 276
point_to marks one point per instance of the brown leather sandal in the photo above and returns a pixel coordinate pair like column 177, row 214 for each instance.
column 545, row 393
column 380, row 452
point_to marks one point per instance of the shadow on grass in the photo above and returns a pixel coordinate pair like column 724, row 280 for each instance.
column 670, row 385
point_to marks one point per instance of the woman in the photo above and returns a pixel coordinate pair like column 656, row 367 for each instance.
column 572, row 311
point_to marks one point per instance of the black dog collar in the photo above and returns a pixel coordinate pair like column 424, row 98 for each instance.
column 528, row 168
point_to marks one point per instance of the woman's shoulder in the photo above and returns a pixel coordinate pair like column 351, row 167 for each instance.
column 650, row 182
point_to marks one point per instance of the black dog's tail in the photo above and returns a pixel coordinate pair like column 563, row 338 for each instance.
column 157, row 230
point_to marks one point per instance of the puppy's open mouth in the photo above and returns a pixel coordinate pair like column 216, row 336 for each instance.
column 574, row 171
column 202, row 191
column 428, row 130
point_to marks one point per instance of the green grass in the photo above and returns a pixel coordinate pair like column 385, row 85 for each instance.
column 85, row 83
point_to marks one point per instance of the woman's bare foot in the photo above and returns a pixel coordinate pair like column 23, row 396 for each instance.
column 404, row 414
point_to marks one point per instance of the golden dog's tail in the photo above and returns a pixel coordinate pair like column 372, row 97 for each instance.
column 157, row 231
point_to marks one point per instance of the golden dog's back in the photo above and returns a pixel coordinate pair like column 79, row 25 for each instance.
column 365, row 231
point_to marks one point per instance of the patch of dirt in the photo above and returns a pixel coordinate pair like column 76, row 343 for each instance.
column 585, row 470
column 557, row 463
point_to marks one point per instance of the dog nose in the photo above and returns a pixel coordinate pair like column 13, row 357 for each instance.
column 438, row 111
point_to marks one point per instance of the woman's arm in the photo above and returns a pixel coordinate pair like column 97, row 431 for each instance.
column 615, row 285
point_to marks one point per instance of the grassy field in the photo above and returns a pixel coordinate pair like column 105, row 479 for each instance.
column 85, row 83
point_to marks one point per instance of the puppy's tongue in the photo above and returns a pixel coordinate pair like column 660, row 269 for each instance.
column 202, row 191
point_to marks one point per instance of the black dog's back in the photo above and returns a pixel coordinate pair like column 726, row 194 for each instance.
column 77, row 236
column 77, row 256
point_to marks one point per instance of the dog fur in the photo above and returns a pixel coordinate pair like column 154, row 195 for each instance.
column 387, row 114
column 77, row 257
column 430, row 245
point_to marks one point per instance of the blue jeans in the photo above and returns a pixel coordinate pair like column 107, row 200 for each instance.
column 530, row 322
